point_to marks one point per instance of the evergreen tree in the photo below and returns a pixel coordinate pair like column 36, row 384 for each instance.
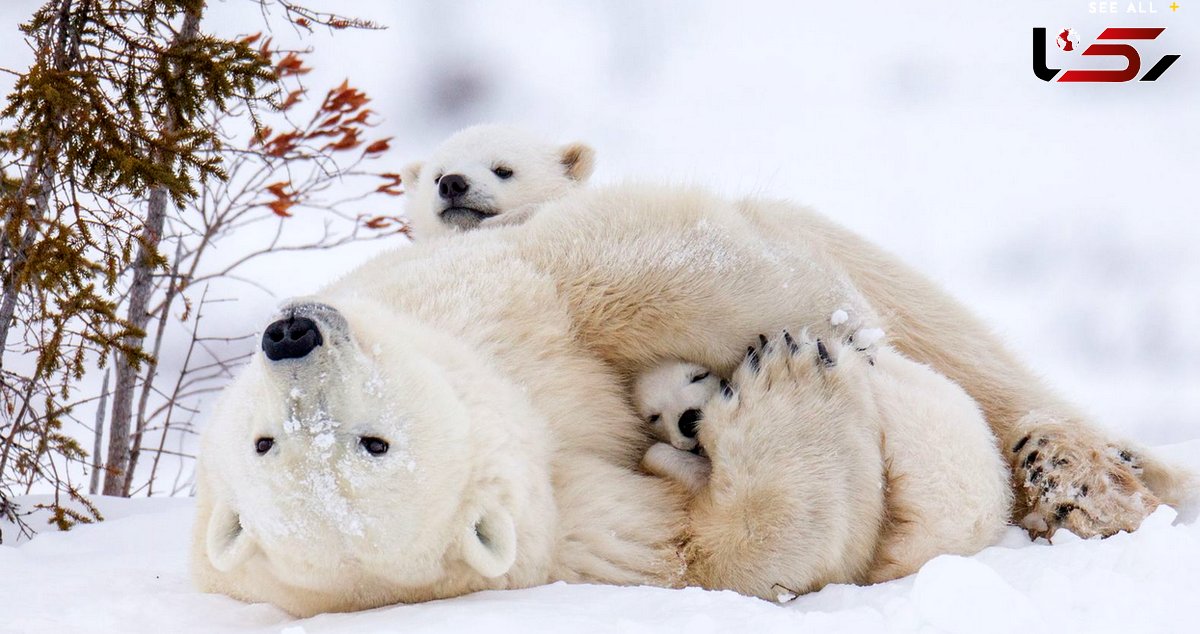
column 110, row 133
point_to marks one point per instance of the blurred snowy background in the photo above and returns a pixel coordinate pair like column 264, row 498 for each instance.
column 1064, row 214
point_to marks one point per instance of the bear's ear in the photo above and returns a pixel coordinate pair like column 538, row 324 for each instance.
column 227, row 544
column 410, row 174
column 578, row 159
column 489, row 544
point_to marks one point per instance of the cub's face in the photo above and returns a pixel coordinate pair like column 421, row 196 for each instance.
column 671, row 399
column 490, row 175
column 338, row 472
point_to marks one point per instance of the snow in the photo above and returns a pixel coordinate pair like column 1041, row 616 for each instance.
column 867, row 337
column 129, row 574
column 838, row 317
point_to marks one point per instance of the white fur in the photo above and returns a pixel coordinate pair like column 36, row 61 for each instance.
column 496, row 366
column 541, row 172
column 681, row 467
column 948, row 489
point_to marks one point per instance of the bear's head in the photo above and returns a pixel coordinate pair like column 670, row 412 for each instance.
column 363, row 458
column 490, row 173
column 671, row 397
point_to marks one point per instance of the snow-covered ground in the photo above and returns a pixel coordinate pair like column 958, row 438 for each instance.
column 129, row 574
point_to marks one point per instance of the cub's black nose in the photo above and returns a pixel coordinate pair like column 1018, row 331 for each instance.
column 290, row 338
column 688, row 422
column 452, row 186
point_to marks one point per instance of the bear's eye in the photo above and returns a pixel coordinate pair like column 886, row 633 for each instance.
column 502, row 172
column 654, row 418
column 699, row 377
column 374, row 446
column 263, row 445
column 437, row 179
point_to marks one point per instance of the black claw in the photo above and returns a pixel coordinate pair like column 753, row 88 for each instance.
column 1063, row 511
column 726, row 389
column 763, row 345
column 1021, row 443
column 1035, row 475
column 1030, row 459
column 752, row 358
column 791, row 343
column 1083, row 490
column 1125, row 455
column 823, row 352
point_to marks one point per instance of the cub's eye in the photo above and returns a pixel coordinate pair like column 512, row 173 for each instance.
column 374, row 446
column 699, row 377
column 437, row 179
column 654, row 418
column 502, row 172
column 263, row 445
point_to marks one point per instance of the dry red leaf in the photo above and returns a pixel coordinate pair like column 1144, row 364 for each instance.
column 280, row 207
column 361, row 117
column 344, row 99
column 348, row 141
column 378, row 146
column 383, row 222
column 277, row 189
column 282, row 144
column 261, row 136
column 291, row 64
column 292, row 99
column 250, row 39
column 390, row 187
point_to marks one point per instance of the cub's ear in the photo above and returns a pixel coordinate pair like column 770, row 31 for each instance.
column 578, row 159
column 489, row 544
column 410, row 174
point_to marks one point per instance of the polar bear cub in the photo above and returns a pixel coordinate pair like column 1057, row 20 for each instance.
column 490, row 175
column 670, row 398
column 947, row 485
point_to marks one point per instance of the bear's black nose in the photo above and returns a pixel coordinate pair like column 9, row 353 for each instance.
column 452, row 186
column 290, row 338
column 688, row 421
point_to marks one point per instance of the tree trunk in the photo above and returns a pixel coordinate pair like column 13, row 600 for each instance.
column 94, row 486
column 119, row 477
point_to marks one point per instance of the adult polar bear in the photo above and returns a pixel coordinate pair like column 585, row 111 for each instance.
column 465, row 424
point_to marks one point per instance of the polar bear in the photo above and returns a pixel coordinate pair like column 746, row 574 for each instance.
column 947, row 487
column 490, row 175
column 455, row 416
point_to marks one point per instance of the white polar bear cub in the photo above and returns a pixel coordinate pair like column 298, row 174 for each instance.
column 490, row 175
column 947, row 486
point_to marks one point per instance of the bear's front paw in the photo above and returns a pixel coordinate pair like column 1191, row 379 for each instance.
column 783, row 383
column 788, row 361
column 685, row 468
column 1066, row 478
column 848, row 326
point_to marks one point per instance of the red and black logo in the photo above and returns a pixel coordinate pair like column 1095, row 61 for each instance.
column 1067, row 41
